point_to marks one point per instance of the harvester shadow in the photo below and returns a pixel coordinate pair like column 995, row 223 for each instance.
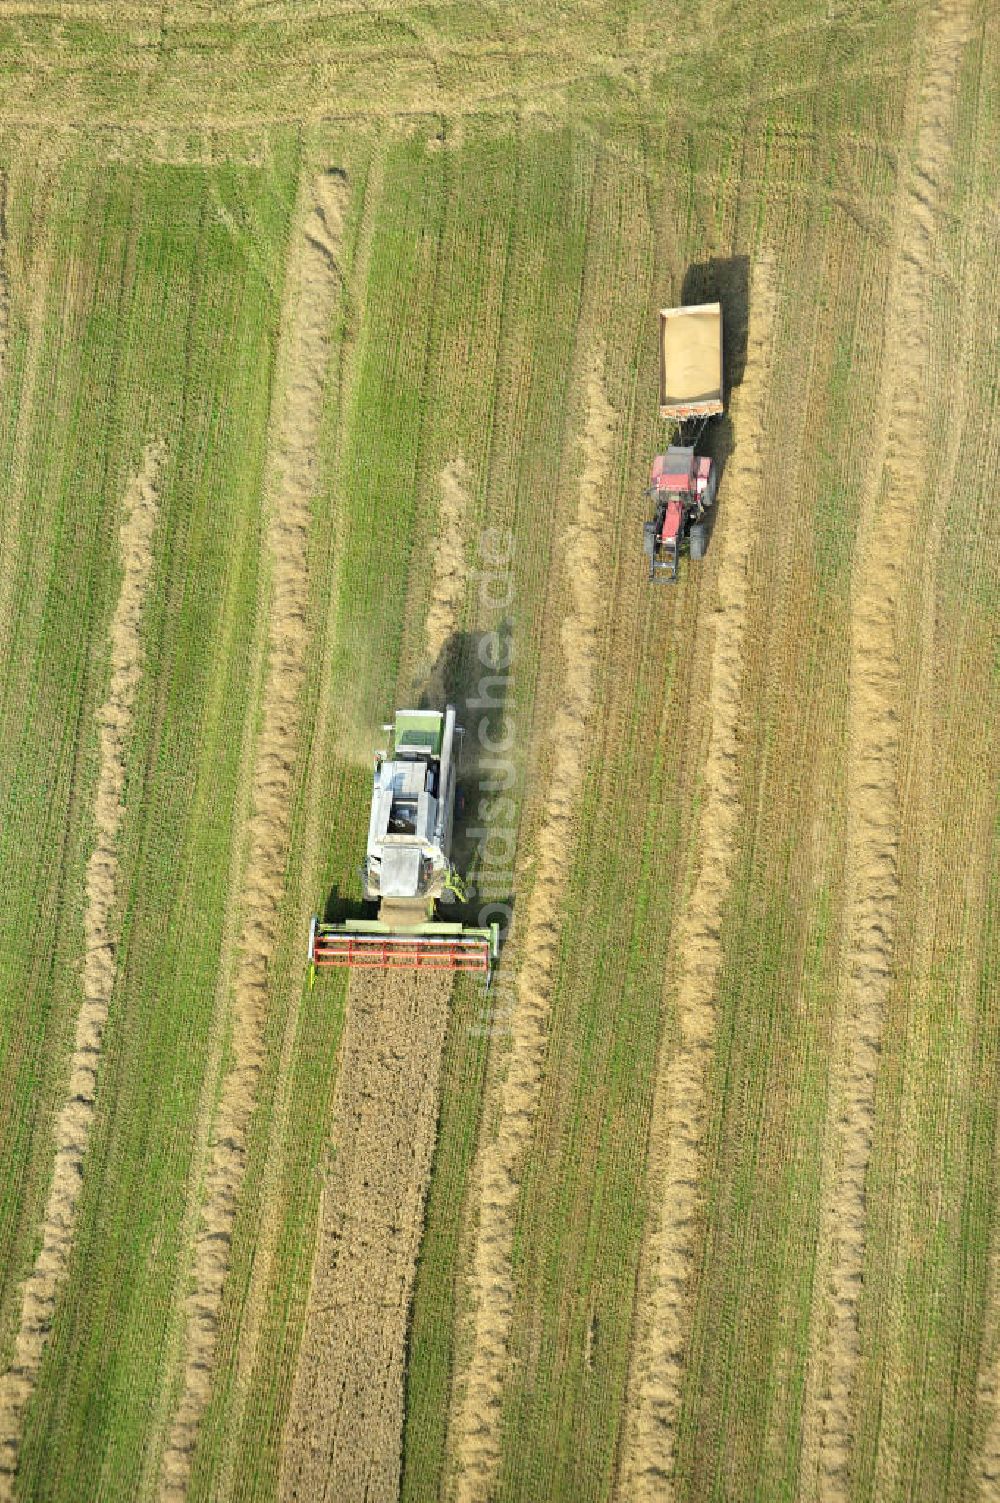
column 339, row 909
column 473, row 672
column 726, row 280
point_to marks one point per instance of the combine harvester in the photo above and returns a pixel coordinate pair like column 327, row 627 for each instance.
column 408, row 868
column 682, row 482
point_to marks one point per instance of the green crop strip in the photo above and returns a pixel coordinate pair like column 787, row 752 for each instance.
column 175, row 342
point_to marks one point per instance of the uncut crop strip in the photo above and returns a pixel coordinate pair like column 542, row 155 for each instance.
column 313, row 282
column 344, row 1433
column 885, row 543
column 679, row 1103
column 476, row 1443
column 72, row 1128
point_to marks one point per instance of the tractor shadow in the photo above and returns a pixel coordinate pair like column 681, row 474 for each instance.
column 726, row 280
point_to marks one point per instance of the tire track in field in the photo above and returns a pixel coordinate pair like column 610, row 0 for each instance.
column 475, row 1444
column 312, row 288
column 343, row 1440
column 886, row 536
column 680, row 1106
column 72, row 1127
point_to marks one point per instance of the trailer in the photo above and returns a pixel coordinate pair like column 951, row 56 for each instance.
column 691, row 362
column 683, row 482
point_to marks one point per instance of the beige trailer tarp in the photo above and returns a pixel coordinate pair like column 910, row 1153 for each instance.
column 691, row 361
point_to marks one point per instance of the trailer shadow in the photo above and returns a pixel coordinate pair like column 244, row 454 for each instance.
column 726, row 280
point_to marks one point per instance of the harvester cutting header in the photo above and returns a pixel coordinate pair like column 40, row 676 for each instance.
column 407, row 867
column 683, row 483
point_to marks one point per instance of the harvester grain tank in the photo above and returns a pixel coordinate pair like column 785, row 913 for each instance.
column 407, row 867
column 683, row 482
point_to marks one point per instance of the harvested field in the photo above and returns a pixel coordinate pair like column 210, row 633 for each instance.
column 345, row 1423
column 121, row 273
column 700, row 1200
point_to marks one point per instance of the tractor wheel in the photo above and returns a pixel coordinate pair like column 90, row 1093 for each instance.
column 698, row 540
column 649, row 539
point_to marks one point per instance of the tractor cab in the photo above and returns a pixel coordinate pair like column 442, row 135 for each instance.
column 682, row 487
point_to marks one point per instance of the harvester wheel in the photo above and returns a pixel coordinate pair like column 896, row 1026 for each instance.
column 698, row 540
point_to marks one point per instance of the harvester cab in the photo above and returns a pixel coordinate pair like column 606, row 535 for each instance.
column 407, row 867
column 683, row 482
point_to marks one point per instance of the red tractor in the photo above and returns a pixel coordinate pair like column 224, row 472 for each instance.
column 683, row 486
column 683, row 483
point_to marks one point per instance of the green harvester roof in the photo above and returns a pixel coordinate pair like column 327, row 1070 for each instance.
column 419, row 730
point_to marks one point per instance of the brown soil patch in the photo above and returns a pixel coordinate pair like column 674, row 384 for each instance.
column 72, row 1127
column 476, row 1441
column 313, row 283
column 679, row 1104
column 343, row 1440
column 885, row 556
